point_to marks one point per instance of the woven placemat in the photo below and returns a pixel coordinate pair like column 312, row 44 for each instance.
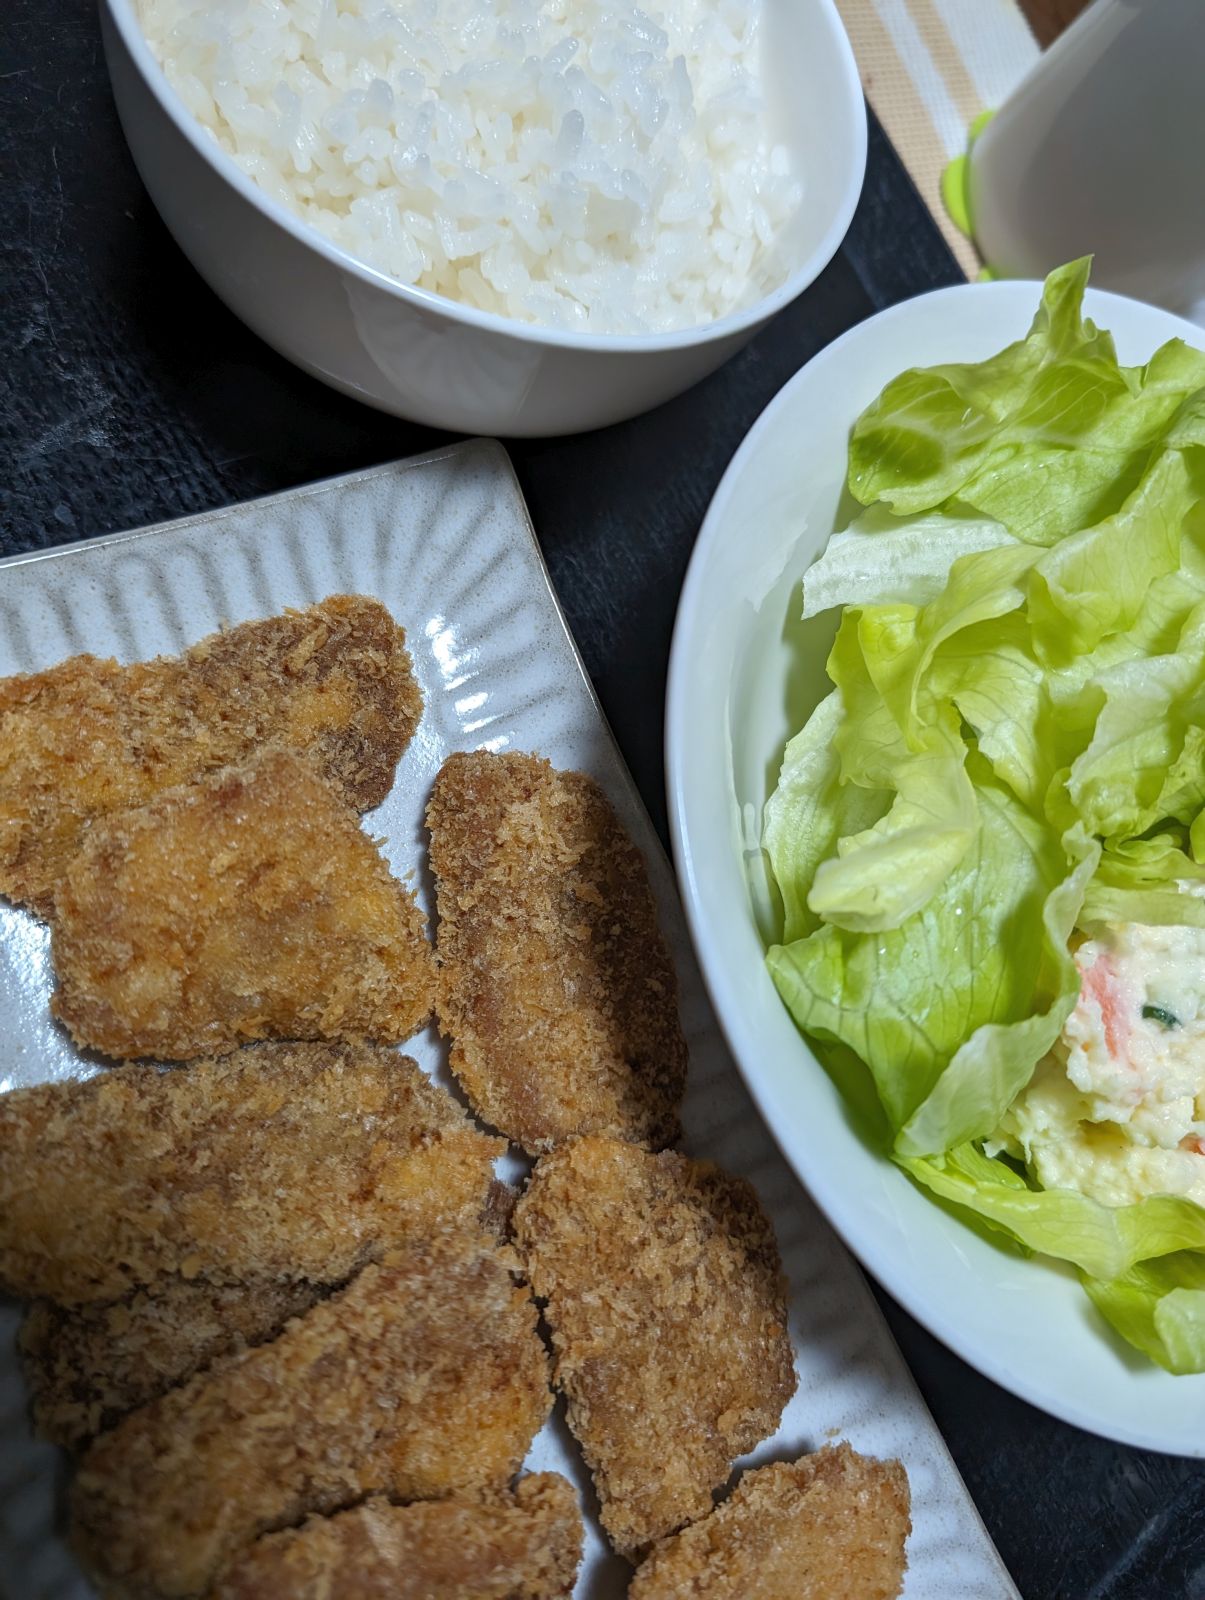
column 929, row 69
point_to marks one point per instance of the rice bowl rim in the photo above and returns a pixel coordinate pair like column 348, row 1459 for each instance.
column 735, row 322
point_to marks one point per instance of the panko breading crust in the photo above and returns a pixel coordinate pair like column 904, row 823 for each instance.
column 555, row 987
column 89, row 736
column 666, row 1302
column 249, row 905
column 285, row 1161
column 831, row 1526
column 425, row 1378
column 527, row 1546
column 89, row 1366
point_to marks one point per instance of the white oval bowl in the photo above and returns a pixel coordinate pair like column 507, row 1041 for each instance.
column 428, row 358
column 1026, row 1324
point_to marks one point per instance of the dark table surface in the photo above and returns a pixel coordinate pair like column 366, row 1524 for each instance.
column 129, row 394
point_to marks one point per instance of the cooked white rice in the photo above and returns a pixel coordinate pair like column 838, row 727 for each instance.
column 585, row 164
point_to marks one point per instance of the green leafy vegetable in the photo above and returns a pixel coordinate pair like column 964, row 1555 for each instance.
column 1159, row 1306
column 883, row 559
column 1014, row 749
column 1049, row 437
column 951, row 1009
column 1105, row 1242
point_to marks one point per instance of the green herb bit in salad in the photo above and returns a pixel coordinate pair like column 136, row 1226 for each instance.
column 1161, row 1014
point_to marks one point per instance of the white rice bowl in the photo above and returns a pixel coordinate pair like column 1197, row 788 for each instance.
column 583, row 164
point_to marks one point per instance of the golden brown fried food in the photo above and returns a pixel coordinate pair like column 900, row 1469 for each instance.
column 249, row 905
column 667, row 1307
column 526, row 1546
column 286, row 1161
column 425, row 1378
column 831, row 1526
column 556, row 987
column 89, row 736
column 89, row 1366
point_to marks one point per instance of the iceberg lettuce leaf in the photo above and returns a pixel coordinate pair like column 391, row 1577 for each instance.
column 886, row 560
column 1159, row 1307
column 810, row 811
column 1014, row 750
column 1105, row 1242
column 1049, row 436
column 884, row 872
column 986, row 952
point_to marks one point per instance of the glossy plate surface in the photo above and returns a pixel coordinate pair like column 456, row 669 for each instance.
column 444, row 541
column 741, row 682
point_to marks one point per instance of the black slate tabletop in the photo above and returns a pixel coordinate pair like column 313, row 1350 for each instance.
column 129, row 394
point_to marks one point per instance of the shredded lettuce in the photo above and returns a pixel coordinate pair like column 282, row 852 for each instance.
column 1013, row 749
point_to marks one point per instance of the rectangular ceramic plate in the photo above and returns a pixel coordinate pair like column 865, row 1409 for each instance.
column 445, row 542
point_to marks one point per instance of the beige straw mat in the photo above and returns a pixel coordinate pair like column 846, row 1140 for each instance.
column 929, row 67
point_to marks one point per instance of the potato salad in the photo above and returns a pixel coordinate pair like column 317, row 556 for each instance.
column 1117, row 1109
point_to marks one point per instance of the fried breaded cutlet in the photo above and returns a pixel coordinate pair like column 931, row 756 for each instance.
column 555, row 987
column 424, row 1379
column 831, row 1526
column 89, row 736
column 526, row 1546
column 666, row 1302
column 285, row 1161
column 88, row 1366
column 249, row 905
